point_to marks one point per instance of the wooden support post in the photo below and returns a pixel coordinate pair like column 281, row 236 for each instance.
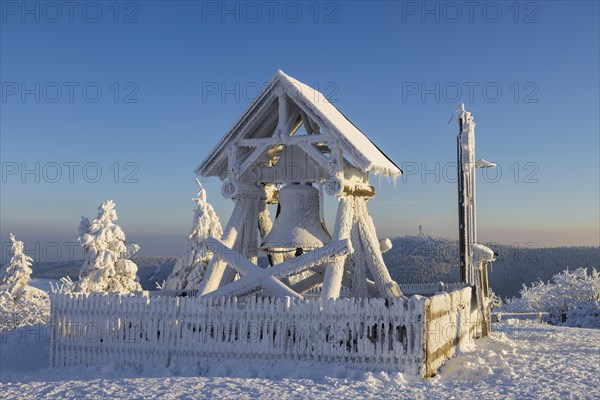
column 246, row 242
column 483, row 300
column 385, row 284
column 241, row 234
column 359, row 273
column 332, row 282
column 216, row 266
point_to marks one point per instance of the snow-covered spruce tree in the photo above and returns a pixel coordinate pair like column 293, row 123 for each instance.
column 17, row 273
column 190, row 267
column 20, row 304
column 106, row 266
column 84, row 227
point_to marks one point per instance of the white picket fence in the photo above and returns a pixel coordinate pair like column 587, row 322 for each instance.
column 374, row 333
column 161, row 331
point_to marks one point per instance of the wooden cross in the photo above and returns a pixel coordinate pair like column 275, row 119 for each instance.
column 254, row 278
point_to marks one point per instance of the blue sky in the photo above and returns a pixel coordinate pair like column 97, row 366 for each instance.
column 528, row 71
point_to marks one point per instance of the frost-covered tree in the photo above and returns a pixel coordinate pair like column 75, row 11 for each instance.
column 495, row 300
column 31, row 307
column 18, row 272
column 84, row 227
column 64, row 285
column 190, row 267
column 106, row 266
column 20, row 304
column 569, row 292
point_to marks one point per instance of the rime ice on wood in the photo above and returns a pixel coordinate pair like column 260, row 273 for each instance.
column 474, row 257
column 466, row 194
column 467, row 213
column 482, row 254
column 289, row 147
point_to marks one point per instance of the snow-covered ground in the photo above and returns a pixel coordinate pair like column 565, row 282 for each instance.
column 44, row 284
column 523, row 359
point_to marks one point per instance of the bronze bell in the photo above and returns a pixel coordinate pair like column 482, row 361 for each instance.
column 297, row 225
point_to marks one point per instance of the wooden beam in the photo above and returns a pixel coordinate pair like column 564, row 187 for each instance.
column 314, row 118
column 308, row 139
column 337, row 187
column 308, row 283
column 232, row 160
column 316, row 155
column 283, row 109
column 366, row 191
column 254, row 278
column 258, row 152
column 306, row 122
column 332, row 250
column 294, row 165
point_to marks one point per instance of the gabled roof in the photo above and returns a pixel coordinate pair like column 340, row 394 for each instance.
column 262, row 114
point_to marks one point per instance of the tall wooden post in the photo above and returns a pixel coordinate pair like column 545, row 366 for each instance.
column 467, row 233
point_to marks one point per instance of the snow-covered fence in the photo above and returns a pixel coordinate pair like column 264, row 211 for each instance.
column 317, row 290
column 428, row 289
column 452, row 319
column 408, row 289
column 172, row 293
column 534, row 316
column 371, row 333
column 375, row 333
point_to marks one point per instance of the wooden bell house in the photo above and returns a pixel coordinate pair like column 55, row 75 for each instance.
column 291, row 148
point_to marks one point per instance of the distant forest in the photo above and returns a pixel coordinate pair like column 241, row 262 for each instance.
column 413, row 259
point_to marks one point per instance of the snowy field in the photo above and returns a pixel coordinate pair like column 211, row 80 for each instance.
column 523, row 359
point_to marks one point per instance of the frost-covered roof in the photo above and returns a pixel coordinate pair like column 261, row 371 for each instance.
column 356, row 146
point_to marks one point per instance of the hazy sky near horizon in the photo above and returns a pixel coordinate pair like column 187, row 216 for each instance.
column 122, row 100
